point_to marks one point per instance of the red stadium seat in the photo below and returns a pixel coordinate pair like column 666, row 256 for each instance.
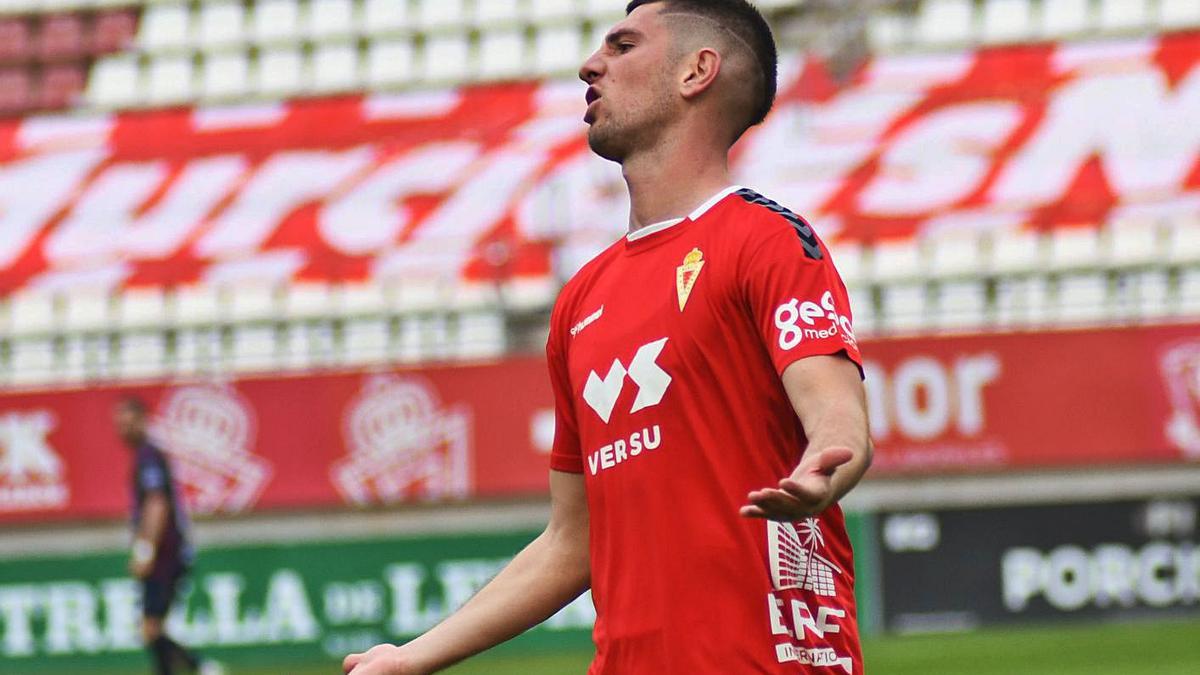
column 14, row 40
column 15, row 90
column 61, row 86
column 113, row 31
column 60, row 37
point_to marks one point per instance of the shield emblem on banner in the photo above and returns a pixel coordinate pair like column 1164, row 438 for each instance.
column 208, row 431
column 1181, row 371
column 403, row 444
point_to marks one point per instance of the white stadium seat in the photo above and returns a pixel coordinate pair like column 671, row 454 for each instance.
column 140, row 307
column 87, row 310
column 1015, row 251
column 1124, row 15
column 31, row 313
column 848, row 256
column 196, row 304
column 361, row 299
column 1065, row 17
column 955, row 254
column 79, row 358
column 945, row 21
column 440, row 13
column 896, row 259
column 862, row 306
column 543, row 10
column 1143, row 295
column 480, row 335
column 390, row 63
column 1178, row 13
column 307, row 300
column 280, row 71
column 366, row 341
column 251, row 302
column 496, row 12
column 1189, row 292
column 255, row 348
column 1133, row 242
column 198, row 351
column 1082, row 297
column 1007, row 20
column 221, row 23
column 960, row 305
column 502, row 54
column 225, row 75
column 1023, row 300
column 411, row 340
column 1183, row 240
column 558, row 50
column 115, row 81
column 330, row 18
column 142, row 355
column 276, row 21
column 33, row 361
column 445, row 58
column 335, row 67
column 605, row 8
column 170, row 79
column 1074, row 247
column 165, row 26
column 904, row 307
column 384, row 16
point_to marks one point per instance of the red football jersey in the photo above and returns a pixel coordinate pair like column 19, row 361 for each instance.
column 665, row 355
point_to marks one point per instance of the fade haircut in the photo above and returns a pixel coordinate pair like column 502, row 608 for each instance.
column 745, row 25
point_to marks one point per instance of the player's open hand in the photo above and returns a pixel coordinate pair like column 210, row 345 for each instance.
column 807, row 492
column 381, row 660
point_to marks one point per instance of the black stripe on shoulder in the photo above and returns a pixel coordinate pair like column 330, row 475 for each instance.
column 808, row 238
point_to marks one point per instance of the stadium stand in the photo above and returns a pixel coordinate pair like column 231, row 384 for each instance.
column 240, row 61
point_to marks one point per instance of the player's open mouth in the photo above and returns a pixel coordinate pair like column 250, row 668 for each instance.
column 591, row 97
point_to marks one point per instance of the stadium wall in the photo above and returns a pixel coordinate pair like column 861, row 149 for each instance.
column 1084, row 399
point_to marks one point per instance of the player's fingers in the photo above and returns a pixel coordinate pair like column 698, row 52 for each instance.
column 811, row 490
column 779, row 505
column 350, row 662
column 752, row 512
column 831, row 458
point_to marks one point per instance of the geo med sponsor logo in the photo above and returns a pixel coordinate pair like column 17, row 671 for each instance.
column 797, row 322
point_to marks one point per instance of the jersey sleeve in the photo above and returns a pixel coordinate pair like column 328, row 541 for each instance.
column 795, row 296
column 152, row 476
column 565, row 455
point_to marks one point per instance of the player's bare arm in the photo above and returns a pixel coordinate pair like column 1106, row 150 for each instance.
column 827, row 393
column 549, row 573
column 155, row 513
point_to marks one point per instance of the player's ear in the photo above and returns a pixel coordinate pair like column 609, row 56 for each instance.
column 700, row 72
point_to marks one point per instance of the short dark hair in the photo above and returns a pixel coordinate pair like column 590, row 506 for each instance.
column 746, row 23
column 133, row 404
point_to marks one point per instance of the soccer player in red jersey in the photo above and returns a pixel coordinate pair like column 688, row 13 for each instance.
column 708, row 393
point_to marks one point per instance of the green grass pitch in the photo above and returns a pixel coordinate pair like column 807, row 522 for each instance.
column 1151, row 648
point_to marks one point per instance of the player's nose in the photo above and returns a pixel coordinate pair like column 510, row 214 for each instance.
column 592, row 68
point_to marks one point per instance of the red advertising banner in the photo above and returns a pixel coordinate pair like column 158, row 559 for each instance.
column 441, row 433
column 949, row 404
column 497, row 181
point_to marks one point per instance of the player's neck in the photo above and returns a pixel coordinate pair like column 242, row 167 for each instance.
column 671, row 183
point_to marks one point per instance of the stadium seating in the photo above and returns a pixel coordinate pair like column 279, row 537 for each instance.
column 100, row 55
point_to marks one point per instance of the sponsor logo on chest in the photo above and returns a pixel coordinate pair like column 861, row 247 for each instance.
column 601, row 394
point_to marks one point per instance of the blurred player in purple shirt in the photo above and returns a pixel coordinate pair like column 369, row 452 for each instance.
column 161, row 553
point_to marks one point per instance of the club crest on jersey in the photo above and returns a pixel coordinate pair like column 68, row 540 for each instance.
column 686, row 275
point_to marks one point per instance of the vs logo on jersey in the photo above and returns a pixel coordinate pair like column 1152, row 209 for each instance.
column 686, row 275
